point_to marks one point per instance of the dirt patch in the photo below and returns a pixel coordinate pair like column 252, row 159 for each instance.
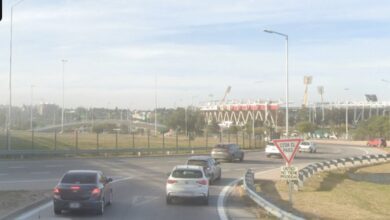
column 334, row 195
column 11, row 201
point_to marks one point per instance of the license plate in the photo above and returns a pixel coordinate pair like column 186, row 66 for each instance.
column 74, row 205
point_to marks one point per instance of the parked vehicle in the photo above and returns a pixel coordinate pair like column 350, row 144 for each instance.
column 377, row 142
column 271, row 150
column 227, row 152
column 210, row 166
column 187, row 181
column 307, row 146
column 82, row 189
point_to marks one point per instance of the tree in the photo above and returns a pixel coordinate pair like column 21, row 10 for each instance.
column 305, row 127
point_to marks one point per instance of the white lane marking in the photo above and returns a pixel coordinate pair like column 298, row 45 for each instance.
column 17, row 167
column 40, row 172
column 29, row 214
column 54, row 165
column 28, row 181
column 221, row 199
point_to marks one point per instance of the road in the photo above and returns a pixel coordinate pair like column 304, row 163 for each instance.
column 139, row 188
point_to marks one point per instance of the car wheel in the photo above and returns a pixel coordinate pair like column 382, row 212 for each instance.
column 57, row 211
column 111, row 198
column 168, row 200
column 100, row 209
column 205, row 200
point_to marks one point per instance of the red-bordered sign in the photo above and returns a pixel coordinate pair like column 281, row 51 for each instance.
column 287, row 148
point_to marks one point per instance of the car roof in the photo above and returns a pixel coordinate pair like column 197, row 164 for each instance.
column 84, row 171
column 192, row 167
column 199, row 158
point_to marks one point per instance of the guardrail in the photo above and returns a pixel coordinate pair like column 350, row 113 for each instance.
column 347, row 162
column 248, row 184
column 74, row 152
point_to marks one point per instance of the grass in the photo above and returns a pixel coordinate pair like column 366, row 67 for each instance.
column 334, row 195
column 22, row 140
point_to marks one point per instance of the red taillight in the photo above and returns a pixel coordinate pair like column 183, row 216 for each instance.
column 202, row 182
column 169, row 181
column 75, row 188
column 56, row 191
column 96, row 192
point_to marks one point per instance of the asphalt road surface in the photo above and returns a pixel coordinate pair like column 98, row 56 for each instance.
column 139, row 183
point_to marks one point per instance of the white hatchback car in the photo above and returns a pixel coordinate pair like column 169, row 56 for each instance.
column 187, row 181
column 271, row 150
column 307, row 146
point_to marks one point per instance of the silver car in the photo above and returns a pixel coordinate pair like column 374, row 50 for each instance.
column 307, row 146
column 227, row 152
column 187, row 181
column 210, row 166
column 272, row 150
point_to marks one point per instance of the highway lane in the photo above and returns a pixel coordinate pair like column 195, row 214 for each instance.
column 142, row 194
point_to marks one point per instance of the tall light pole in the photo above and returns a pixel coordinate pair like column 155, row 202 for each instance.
column 346, row 116
column 287, row 94
column 63, row 95
column 9, row 122
column 31, row 107
column 155, row 105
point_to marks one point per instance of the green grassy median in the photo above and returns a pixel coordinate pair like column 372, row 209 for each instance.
column 360, row 193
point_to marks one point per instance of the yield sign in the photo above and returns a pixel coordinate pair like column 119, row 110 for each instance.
column 288, row 148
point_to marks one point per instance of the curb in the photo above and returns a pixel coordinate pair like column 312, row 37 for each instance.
column 24, row 209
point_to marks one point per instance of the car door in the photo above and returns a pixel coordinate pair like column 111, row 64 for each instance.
column 216, row 168
column 106, row 186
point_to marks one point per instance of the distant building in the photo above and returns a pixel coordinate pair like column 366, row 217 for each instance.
column 48, row 110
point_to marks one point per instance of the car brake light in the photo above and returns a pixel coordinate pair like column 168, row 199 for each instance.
column 96, row 192
column 169, row 181
column 56, row 190
column 203, row 182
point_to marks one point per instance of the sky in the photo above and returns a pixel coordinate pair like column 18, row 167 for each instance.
column 120, row 53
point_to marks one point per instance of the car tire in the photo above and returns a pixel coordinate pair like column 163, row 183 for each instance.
column 100, row 208
column 110, row 200
column 205, row 200
column 168, row 200
column 57, row 211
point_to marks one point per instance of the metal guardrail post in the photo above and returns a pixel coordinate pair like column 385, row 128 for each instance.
column 243, row 140
column 237, row 137
column 133, row 140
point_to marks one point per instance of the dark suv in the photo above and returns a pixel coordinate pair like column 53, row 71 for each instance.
column 82, row 189
column 227, row 152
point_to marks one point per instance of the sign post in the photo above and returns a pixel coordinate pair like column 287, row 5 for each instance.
column 288, row 148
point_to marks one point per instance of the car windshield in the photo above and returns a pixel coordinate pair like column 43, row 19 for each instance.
column 79, row 178
column 201, row 163
column 187, row 174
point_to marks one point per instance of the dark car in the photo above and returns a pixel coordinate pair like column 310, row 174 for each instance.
column 210, row 166
column 377, row 142
column 82, row 190
column 227, row 152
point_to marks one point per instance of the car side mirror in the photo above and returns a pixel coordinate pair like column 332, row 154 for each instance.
column 109, row 180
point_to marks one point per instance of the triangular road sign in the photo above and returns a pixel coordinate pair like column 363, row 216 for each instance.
column 287, row 148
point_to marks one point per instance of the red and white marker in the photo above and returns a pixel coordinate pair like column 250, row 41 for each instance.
column 287, row 148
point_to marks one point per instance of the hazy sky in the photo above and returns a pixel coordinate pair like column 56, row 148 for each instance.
column 115, row 48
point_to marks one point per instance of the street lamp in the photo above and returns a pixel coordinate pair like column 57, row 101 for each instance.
column 10, row 80
column 63, row 94
column 287, row 98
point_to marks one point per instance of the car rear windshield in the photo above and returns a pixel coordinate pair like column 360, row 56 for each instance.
column 79, row 178
column 201, row 163
column 187, row 174
column 220, row 146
